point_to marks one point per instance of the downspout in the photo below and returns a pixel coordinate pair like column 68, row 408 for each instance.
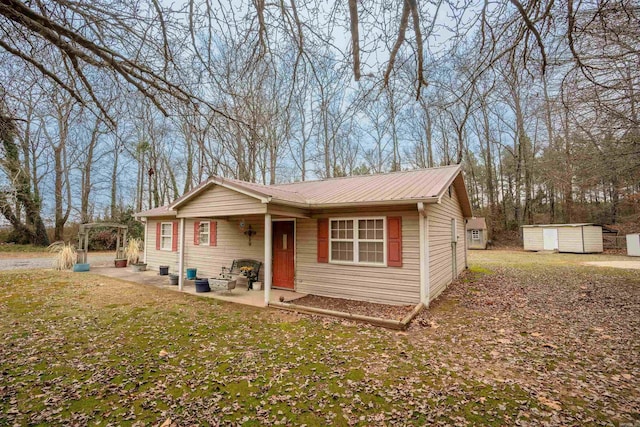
column 425, row 286
column 466, row 249
column 181, row 255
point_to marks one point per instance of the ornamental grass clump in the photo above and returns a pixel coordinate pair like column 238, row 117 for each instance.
column 132, row 251
column 65, row 255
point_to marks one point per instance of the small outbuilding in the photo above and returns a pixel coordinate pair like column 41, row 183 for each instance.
column 633, row 244
column 574, row 238
column 477, row 234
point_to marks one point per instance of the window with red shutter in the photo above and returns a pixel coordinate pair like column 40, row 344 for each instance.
column 174, row 237
column 158, row 235
column 196, row 233
column 394, row 241
column 323, row 240
column 213, row 233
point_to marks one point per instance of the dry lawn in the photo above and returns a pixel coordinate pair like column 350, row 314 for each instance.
column 523, row 339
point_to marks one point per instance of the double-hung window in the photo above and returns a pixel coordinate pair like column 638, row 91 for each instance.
column 204, row 232
column 166, row 236
column 357, row 240
column 475, row 234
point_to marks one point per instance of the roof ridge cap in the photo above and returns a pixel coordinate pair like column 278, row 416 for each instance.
column 368, row 175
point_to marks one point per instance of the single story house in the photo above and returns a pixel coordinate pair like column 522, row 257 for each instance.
column 389, row 238
column 574, row 238
column 477, row 233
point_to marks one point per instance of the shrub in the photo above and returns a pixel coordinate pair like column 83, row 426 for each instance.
column 104, row 240
column 64, row 255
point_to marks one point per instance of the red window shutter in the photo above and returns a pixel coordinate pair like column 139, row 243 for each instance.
column 323, row 240
column 196, row 233
column 158, row 232
column 394, row 241
column 174, row 240
column 213, row 233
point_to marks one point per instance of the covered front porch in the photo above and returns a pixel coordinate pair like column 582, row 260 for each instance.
column 238, row 295
column 221, row 222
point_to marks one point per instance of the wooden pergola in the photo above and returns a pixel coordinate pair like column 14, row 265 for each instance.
column 83, row 239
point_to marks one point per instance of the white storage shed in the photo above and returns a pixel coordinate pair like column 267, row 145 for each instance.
column 633, row 244
column 574, row 238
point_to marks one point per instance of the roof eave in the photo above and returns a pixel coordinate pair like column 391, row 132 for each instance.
column 461, row 189
column 394, row 202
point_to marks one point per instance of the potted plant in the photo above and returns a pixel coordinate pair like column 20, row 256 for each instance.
column 132, row 253
column 65, row 257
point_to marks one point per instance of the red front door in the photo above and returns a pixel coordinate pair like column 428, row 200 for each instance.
column 283, row 254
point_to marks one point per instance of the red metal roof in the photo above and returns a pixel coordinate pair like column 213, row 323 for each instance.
column 405, row 186
column 156, row 212
column 426, row 185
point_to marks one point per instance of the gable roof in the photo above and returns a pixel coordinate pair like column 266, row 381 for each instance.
column 406, row 187
column 476, row 224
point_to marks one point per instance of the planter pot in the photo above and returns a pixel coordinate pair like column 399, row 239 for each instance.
column 202, row 285
column 120, row 263
column 191, row 273
column 80, row 267
column 221, row 284
column 139, row 267
column 173, row 279
column 164, row 270
column 257, row 286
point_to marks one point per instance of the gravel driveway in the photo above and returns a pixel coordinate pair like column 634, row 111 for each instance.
column 95, row 260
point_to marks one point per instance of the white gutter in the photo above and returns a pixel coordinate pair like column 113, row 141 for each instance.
column 425, row 280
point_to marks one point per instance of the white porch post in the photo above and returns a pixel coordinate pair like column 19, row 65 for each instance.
column 181, row 254
column 268, row 231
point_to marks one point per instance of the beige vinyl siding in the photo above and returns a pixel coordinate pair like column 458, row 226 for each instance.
column 220, row 201
column 592, row 239
column 155, row 257
column 440, row 249
column 387, row 285
column 532, row 238
column 570, row 239
column 231, row 244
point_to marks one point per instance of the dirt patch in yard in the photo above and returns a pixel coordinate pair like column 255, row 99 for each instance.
column 633, row 265
column 383, row 311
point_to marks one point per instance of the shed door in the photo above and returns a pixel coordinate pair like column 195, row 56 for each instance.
column 550, row 239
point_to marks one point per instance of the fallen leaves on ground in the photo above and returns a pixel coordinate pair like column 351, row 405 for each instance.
column 520, row 345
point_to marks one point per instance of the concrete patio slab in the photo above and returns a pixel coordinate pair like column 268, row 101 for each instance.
column 238, row 295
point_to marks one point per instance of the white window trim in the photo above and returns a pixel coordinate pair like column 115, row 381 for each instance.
column 356, row 244
column 162, row 236
column 475, row 234
column 208, row 233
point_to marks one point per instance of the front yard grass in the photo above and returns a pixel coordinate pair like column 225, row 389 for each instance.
column 558, row 345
